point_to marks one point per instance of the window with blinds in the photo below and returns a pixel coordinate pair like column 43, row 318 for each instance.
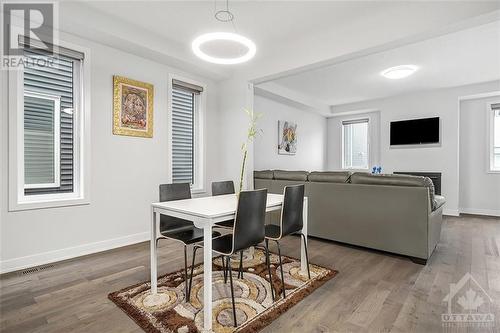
column 355, row 144
column 185, row 100
column 495, row 139
column 41, row 140
column 49, row 123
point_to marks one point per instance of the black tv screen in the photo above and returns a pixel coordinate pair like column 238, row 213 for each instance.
column 414, row 132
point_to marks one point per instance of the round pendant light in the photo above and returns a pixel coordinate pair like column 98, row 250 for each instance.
column 224, row 36
column 225, row 16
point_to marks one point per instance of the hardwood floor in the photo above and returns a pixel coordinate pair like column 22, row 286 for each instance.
column 373, row 292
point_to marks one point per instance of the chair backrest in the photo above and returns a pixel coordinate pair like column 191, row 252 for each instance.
column 178, row 191
column 248, row 229
column 171, row 192
column 221, row 188
column 291, row 212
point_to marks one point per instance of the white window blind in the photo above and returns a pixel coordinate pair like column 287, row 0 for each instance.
column 355, row 144
column 495, row 159
column 50, row 93
column 184, row 110
column 41, row 140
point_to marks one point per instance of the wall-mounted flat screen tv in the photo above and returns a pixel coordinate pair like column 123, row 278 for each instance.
column 415, row 131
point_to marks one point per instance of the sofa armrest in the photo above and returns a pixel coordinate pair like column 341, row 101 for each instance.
column 439, row 201
column 434, row 230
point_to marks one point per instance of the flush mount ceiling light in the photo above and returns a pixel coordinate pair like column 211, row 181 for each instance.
column 399, row 72
column 224, row 16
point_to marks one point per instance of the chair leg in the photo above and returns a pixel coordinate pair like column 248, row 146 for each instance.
column 232, row 290
column 307, row 256
column 281, row 267
column 186, row 272
column 240, row 273
column 227, row 267
column 268, row 263
column 188, row 295
column 223, row 267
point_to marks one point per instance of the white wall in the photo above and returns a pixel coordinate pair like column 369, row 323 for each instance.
column 479, row 189
column 235, row 96
column 311, row 136
column 125, row 171
column 442, row 158
column 334, row 145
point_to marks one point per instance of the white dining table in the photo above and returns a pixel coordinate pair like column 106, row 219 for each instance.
column 205, row 212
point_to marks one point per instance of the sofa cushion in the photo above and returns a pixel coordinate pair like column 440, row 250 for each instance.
column 263, row 174
column 290, row 175
column 396, row 180
column 386, row 179
column 329, row 176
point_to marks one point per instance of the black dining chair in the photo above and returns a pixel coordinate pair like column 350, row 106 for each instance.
column 222, row 188
column 248, row 230
column 291, row 222
column 178, row 229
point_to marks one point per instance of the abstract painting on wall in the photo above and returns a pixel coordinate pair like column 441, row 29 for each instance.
column 287, row 137
column 132, row 107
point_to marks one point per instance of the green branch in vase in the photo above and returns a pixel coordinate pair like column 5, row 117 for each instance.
column 251, row 134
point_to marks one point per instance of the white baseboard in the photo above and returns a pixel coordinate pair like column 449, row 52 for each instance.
column 451, row 212
column 70, row 252
column 488, row 212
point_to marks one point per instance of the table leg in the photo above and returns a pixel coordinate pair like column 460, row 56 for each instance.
column 153, row 253
column 303, row 261
column 207, row 278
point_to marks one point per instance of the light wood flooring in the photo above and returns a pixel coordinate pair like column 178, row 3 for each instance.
column 373, row 292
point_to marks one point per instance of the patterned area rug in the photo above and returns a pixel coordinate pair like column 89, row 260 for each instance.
column 255, row 308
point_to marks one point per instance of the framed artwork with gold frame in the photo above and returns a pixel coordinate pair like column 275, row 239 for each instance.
column 132, row 107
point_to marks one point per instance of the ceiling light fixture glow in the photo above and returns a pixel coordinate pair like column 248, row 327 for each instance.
column 399, row 72
column 227, row 36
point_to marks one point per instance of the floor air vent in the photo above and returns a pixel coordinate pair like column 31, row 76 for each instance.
column 36, row 269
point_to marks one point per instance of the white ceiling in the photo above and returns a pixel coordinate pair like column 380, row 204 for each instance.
column 460, row 58
column 265, row 22
column 288, row 34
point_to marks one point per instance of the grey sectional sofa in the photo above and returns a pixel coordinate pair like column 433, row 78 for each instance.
column 393, row 213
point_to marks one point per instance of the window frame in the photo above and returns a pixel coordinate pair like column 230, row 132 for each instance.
column 57, row 138
column 200, row 103
column 18, row 201
column 490, row 114
column 361, row 119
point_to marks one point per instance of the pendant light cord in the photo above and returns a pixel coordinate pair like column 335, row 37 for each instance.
column 225, row 15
